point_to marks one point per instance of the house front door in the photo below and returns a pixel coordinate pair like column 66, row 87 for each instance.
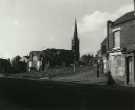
column 130, row 70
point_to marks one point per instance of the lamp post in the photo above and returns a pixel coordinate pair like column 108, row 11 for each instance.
column 74, row 66
column 134, row 6
column 98, row 62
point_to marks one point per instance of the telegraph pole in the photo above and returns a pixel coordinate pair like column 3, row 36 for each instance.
column 133, row 2
column 74, row 68
column 134, row 6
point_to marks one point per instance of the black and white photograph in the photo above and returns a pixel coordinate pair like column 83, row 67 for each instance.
column 67, row 54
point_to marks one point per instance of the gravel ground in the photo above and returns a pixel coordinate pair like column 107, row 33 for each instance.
column 85, row 75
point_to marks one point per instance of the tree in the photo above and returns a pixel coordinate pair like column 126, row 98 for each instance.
column 87, row 59
column 17, row 65
column 5, row 66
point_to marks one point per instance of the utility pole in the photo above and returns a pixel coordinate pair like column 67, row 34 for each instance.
column 134, row 6
column 74, row 67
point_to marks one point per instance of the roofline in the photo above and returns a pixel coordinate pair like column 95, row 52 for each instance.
column 124, row 20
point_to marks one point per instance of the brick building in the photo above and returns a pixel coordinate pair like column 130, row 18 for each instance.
column 120, row 46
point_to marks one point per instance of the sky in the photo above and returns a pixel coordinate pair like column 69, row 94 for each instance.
column 30, row 25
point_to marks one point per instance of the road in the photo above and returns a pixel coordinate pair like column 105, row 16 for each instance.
column 23, row 94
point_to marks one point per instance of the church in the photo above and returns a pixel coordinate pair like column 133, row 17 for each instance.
column 40, row 60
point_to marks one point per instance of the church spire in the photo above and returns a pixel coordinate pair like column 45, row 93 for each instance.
column 75, row 30
column 76, row 44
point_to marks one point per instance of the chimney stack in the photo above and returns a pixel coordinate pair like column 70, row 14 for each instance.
column 109, row 26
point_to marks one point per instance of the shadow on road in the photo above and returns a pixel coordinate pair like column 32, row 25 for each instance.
column 22, row 94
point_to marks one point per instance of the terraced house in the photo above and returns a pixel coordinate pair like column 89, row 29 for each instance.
column 119, row 53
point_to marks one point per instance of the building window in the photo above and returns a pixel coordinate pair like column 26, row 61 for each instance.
column 116, row 39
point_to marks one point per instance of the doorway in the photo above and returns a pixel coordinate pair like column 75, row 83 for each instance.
column 130, row 70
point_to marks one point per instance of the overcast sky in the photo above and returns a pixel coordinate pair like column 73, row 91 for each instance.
column 27, row 25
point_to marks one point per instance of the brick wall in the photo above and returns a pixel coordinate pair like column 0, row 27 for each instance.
column 127, row 35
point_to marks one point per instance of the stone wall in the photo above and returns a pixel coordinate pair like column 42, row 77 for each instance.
column 117, row 67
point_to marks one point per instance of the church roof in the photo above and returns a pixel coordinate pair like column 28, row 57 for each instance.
column 125, row 18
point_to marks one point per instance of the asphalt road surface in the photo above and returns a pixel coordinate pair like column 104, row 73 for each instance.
column 23, row 94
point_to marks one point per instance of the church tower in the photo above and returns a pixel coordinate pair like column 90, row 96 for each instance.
column 76, row 44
